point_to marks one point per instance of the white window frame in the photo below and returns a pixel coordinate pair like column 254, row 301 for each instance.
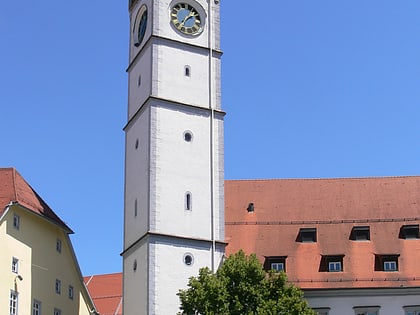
column 335, row 266
column 15, row 265
column 390, row 265
column 277, row 266
column 36, row 307
column 13, row 302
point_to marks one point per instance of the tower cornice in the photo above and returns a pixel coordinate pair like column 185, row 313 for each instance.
column 170, row 236
column 170, row 102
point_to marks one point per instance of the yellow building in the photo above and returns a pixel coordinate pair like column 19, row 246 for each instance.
column 39, row 270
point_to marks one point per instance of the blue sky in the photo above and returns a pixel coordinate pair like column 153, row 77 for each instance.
column 312, row 89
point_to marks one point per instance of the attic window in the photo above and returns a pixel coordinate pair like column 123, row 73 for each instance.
column 386, row 262
column 409, row 232
column 307, row 235
column 250, row 207
column 331, row 263
column 16, row 221
column 360, row 233
column 276, row 263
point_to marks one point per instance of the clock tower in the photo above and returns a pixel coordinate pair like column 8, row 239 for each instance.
column 174, row 180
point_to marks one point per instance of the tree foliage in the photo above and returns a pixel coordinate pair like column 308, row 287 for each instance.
column 242, row 287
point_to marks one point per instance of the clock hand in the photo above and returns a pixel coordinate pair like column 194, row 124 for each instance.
column 191, row 14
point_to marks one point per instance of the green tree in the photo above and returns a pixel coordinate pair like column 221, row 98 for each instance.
column 242, row 287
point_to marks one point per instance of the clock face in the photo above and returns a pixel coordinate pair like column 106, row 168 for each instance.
column 186, row 19
column 142, row 24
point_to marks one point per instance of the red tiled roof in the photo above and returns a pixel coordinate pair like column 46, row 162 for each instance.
column 106, row 292
column 14, row 189
column 333, row 207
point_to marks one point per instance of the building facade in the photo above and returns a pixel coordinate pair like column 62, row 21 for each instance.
column 173, row 207
column 351, row 244
column 40, row 273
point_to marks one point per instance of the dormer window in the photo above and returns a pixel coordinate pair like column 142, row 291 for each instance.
column 276, row 263
column 409, row 232
column 307, row 235
column 386, row 263
column 360, row 233
column 331, row 263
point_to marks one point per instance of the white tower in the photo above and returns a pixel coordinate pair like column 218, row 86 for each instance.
column 174, row 203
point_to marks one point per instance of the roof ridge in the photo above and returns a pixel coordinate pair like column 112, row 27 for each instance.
column 321, row 178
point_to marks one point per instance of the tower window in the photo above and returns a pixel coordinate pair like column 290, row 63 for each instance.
column 409, row 232
column 412, row 310
column 188, row 259
column 136, row 146
column 135, row 208
column 188, row 136
column 187, row 71
column 139, row 81
column 276, row 263
column 135, row 265
column 331, row 263
column 188, row 201
column 386, row 262
column 360, row 233
column 307, row 235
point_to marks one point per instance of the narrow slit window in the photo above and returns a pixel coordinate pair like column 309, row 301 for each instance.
column 187, row 71
column 188, row 201
column 16, row 221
